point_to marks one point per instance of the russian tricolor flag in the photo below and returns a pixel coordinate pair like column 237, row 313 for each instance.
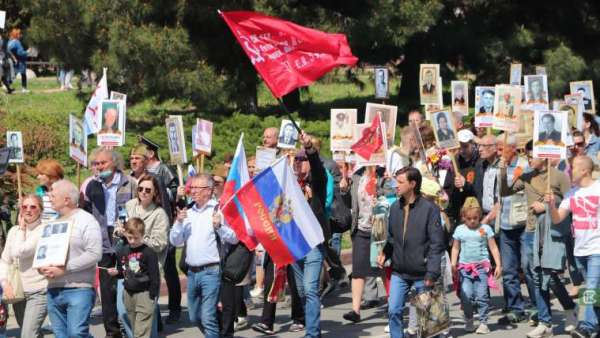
column 232, row 210
column 279, row 215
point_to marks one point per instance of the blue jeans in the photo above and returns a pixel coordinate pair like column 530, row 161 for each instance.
column 122, row 313
column 69, row 310
column 477, row 288
column 527, row 264
column 511, row 247
column 590, row 267
column 399, row 288
column 336, row 242
column 307, row 272
column 203, row 296
column 542, row 296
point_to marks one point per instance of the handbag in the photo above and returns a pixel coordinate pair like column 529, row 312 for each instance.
column 14, row 279
column 237, row 263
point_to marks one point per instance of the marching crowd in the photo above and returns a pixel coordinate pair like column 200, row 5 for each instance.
column 503, row 214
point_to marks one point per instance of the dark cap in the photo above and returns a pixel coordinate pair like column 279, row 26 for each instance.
column 301, row 155
column 149, row 144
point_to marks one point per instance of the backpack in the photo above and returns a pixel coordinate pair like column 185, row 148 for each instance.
column 237, row 263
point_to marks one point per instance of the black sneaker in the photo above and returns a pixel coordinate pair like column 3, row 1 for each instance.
column 352, row 316
column 511, row 318
column 329, row 288
column 173, row 317
column 263, row 328
column 369, row 304
column 580, row 333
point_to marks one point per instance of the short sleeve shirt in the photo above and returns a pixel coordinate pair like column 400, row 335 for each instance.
column 583, row 204
column 473, row 243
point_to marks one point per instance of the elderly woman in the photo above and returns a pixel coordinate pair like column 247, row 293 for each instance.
column 20, row 248
column 49, row 171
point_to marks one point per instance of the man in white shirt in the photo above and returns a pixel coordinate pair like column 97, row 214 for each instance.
column 583, row 202
column 201, row 230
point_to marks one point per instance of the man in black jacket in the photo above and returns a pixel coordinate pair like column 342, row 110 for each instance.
column 415, row 244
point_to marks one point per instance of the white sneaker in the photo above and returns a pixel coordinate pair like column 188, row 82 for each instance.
column 570, row 320
column 256, row 292
column 540, row 331
column 24, row 91
column 387, row 329
column 411, row 331
column 241, row 324
column 469, row 327
column 482, row 329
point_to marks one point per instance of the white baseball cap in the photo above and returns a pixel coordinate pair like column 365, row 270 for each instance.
column 465, row 136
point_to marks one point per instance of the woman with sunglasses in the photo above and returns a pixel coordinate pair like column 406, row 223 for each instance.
column 147, row 207
column 20, row 248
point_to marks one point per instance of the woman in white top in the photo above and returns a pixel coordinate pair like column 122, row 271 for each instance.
column 20, row 249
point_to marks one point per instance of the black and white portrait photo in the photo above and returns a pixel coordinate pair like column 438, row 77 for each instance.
column 176, row 139
column 381, row 83
column 586, row 90
column 288, row 135
column 444, row 129
column 14, row 142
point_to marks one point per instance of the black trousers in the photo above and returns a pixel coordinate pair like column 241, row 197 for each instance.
column 172, row 279
column 108, row 295
column 232, row 299
column 268, row 313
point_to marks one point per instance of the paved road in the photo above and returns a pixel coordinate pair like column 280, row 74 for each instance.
column 374, row 321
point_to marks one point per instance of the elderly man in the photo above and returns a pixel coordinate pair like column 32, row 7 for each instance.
column 105, row 198
column 71, row 294
column 270, row 137
column 201, row 230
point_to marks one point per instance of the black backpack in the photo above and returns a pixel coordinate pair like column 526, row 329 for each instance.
column 237, row 263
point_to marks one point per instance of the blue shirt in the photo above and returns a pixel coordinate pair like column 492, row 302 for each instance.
column 198, row 233
column 110, row 196
column 473, row 243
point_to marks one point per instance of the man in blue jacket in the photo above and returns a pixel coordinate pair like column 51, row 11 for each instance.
column 415, row 244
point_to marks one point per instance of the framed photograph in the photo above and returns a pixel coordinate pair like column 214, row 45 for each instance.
column 118, row 96
column 77, row 141
column 586, row 90
column 377, row 158
column 176, row 139
column 460, row 97
column 14, row 143
column 342, row 125
column 573, row 104
column 202, row 137
column 112, row 122
column 381, row 83
column 388, row 117
column 536, row 92
column 507, row 106
column 288, row 135
column 484, row 106
column 429, row 87
column 516, row 69
column 53, row 245
column 550, row 134
column 444, row 129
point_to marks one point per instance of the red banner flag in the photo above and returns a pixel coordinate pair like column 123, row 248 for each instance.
column 287, row 55
column 371, row 140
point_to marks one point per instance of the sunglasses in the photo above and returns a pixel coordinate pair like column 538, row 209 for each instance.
column 146, row 190
column 29, row 207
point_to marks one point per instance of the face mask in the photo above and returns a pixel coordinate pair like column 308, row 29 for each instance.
column 103, row 175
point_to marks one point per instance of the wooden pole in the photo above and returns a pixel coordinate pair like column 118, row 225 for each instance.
column 202, row 163
column 488, row 130
column 78, row 175
column 19, row 189
column 548, row 188
column 180, row 174
column 198, row 163
column 454, row 166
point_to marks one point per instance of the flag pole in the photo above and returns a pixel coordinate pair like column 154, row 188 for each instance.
column 287, row 111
